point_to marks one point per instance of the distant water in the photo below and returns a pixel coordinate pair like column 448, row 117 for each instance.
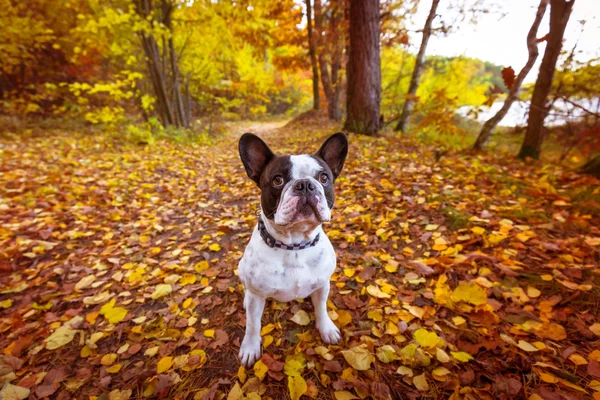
column 517, row 115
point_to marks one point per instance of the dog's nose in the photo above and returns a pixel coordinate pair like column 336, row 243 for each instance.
column 304, row 186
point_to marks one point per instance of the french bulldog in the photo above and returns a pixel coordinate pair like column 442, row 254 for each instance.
column 289, row 257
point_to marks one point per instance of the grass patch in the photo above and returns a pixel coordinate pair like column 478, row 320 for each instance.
column 456, row 219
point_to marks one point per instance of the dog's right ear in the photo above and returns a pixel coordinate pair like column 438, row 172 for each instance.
column 255, row 155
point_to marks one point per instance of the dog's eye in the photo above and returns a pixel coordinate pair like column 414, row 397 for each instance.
column 277, row 181
column 323, row 178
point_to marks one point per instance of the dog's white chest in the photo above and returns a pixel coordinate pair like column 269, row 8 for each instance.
column 286, row 275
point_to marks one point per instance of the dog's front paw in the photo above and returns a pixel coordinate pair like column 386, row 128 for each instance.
column 329, row 332
column 249, row 352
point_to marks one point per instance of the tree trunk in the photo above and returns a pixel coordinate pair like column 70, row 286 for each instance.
column 163, row 70
column 409, row 102
column 313, row 56
column 560, row 11
column 323, row 69
column 364, row 68
column 329, row 44
column 490, row 125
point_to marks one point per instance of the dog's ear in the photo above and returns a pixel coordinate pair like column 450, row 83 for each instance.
column 334, row 152
column 255, row 155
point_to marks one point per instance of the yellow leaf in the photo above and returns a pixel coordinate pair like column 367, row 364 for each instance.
column 547, row 377
column 442, row 356
column 116, row 315
column 242, row 374
column 387, row 354
column 344, row 395
column 294, row 365
column 594, row 355
column 478, row 230
column 6, row 303
column 533, row 292
column 297, row 387
column 62, row 335
column 114, row 369
column 14, row 392
column 420, row 382
column 404, row 370
column 236, row 393
column 214, row 247
column 301, row 318
column 440, row 244
column 267, row 340
column 546, row 277
column 344, row 317
column 425, row 338
column 349, row 272
column 359, row 357
column 470, row 293
column 461, row 356
column 151, row 352
column 552, row 331
column 376, row 292
column 209, row 333
column 201, row 266
column 440, row 371
column 108, row 359
column 595, row 328
column 577, row 359
column 267, row 329
column 164, row 364
column 375, row 315
column 260, row 370
column 85, row 282
column 161, row 290
column 526, row 346
column 187, row 279
column 458, row 320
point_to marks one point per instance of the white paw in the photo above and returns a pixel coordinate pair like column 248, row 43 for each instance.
column 249, row 351
column 329, row 332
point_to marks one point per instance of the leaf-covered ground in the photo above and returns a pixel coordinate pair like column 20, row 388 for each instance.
column 469, row 278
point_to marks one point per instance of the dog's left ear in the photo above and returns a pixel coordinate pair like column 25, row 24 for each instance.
column 255, row 155
column 334, row 152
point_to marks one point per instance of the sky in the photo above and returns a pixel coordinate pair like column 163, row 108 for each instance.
column 501, row 37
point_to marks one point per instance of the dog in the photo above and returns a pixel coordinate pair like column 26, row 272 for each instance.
column 289, row 257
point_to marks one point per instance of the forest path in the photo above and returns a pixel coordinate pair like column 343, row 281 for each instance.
column 117, row 273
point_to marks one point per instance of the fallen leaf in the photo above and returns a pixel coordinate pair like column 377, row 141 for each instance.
column 301, row 318
column 359, row 357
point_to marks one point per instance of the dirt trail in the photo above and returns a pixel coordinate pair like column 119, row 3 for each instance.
column 477, row 276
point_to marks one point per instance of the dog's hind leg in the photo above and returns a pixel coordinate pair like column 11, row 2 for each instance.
column 250, row 348
column 329, row 332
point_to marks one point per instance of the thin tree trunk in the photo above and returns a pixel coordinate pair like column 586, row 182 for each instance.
column 490, row 125
column 337, row 38
column 560, row 11
column 364, row 68
column 409, row 102
column 323, row 67
column 182, row 117
column 313, row 56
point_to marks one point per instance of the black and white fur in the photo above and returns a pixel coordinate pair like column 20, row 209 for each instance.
column 296, row 198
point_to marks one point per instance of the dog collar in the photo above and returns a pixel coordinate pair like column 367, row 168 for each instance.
column 272, row 242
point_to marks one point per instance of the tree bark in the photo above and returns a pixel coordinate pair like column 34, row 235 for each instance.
column 364, row 68
column 560, row 11
column 409, row 102
column 163, row 70
column 490, row 124
column 329, row 46
column 313, row 56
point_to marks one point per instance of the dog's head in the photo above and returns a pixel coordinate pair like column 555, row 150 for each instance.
column 296, row 191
